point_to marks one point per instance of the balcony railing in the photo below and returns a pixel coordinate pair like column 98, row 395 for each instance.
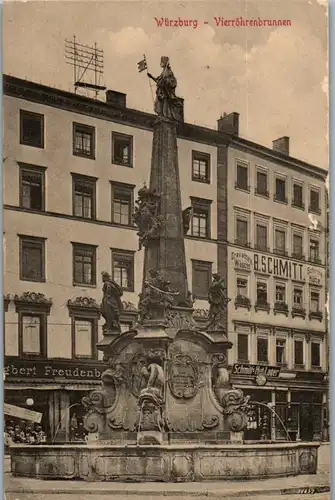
column 281, row 308
column 262, row 306
column 298, row 311
column 316, row 315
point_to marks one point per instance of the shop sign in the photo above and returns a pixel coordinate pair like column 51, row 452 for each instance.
column 255, row 370
column 242, row 261
column 52, row 370
column 23, row 413
column 276, row 266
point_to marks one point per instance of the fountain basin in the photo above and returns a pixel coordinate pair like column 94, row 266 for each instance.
column 167, row 463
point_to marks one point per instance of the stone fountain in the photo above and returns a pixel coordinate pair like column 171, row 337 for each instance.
column 166, row 410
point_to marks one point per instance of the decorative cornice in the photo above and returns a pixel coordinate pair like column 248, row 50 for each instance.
column 32, row 301
column 200, row 314
column 82, row 303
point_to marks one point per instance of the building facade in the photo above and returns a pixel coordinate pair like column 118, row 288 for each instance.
column 277, row 282
column 71, row 172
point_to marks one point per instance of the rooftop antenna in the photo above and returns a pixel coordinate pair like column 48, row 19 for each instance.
column 88, row 64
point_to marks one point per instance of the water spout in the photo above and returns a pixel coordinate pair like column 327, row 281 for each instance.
column 275, row 413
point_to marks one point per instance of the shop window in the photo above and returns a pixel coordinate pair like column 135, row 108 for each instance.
column 281, row 351
column 32, row 259
column 315, row 355
column 201, row 278
column 201, row 220
column 32, row 194
column 280, row 190
column 122, row 203
column 262, row 350
column 242, row 348
column 123, row 269
column 83, row 140
column 298, row 196
column 200, row 167
column 84, row 196
column 261, row 237
column 242, row 174
column 122, row 149
column 298, row 352
column 31, row 129
column 262, row 183
column 84, row 264
column 241, row 237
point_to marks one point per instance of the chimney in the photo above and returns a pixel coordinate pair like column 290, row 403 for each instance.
column 116, row 98
column 229, row 123
column 282, row 145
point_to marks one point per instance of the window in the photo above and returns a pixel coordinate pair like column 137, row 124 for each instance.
column 84, row 264
column 262, row 293
column 32, row 187
column 298, row 195
column 297, row 246
column 262, row 183
column 201, row 278
column 315, row 355
column 297, row 298
column 242, row 177
column 84, row 197
column 123, row 269
column 280, row 242
column 242, row 286
column 201, row 218
column 314, row 200
column 83, row 346
column 298, row 352
column 83, row 140
column 314, row 251
column 280, row 292
column 122, row 149
column 31, row 341
column 315, row 302
column 32, row 259
column 280, row 351
column 262, row 350
column 280, row 190
column 122, row 203
column 261, row 237
column 241, row 232
column 242, row 347
column 31, row 129
column 200, row 167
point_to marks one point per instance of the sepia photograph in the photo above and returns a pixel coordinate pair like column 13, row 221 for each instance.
column 166, row 249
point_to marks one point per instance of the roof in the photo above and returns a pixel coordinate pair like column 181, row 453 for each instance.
column 49, row 96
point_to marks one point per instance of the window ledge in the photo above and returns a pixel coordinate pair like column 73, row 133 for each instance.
column 33, row 280
column 298, row 312
column 23, row 143
column 298, row 206
column 316, row 211
column 299, row 367
column 281, row 365
column 245, row 361
column 262, row 194
column 262, row 307
column 243, row 189
column 83, row 155
column 84, row 285
column 316, row 315
column 120, row 164
column 283, row 202
column 202, row 181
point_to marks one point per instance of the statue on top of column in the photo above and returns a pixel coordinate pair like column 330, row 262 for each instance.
column 167, row 104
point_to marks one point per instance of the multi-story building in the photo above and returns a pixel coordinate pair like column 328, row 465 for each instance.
column 72, row 169
column 277, row 282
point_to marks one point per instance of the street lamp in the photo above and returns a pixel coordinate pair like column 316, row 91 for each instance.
column 30, row 402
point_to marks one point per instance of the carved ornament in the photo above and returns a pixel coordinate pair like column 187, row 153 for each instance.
column 183, row 376
column 147, row 216
column 82, row 303
column 157, row 297
column 32, row 299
